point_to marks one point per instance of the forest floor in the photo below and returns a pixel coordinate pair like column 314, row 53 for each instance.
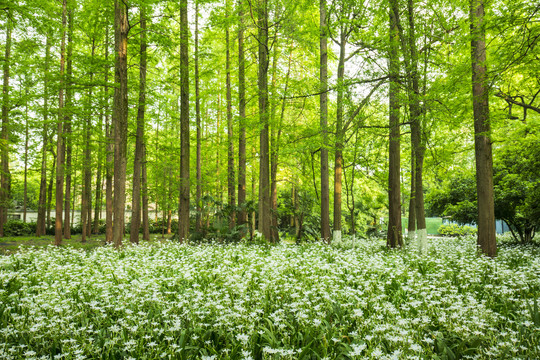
column 12, row 244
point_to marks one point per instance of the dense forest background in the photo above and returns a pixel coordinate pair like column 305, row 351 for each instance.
column 295, row 118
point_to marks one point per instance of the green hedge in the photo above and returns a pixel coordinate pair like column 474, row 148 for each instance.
column 456, row 230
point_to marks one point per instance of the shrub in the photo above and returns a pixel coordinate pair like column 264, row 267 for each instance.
column 456, row 230
column 17, row 228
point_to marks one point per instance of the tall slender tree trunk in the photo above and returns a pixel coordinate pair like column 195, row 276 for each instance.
column 86, row 203
column 183, row 211
column 120, row 121
column 109, row 157
column 25, row 196
column 275, row 140
column 42, row 204
column 5, row 176
column 242, row 215
column 265, row 216
column 325, row 182
column 99, row 180
column 482, row 130
column 139, row 141
column 144, row 180
column 50, row 191
column 338, row 165
column 60, row 145
column 198, row 221
column 394, row 237
column 411, row 224
column 68, row 111
column 416, row 131
column 230, row 139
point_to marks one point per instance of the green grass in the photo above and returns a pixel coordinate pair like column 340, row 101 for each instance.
column 11, row 244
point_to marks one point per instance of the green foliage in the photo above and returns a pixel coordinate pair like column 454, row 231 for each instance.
column 456, row 230
column 17, row 228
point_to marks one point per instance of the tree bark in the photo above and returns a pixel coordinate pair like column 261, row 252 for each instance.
column 144, row 180
column 198, row 221
column 86, row 203
column 482, row 130
column 338, row 166
column 242, row 215
column 325, row 183
column 42, row 204
column 68, row 143
column 50, row 191
column 60, row 145
column 5, row 176
column 99, row 180
column 25, row 196
column 265, row 216
column 139, row 141
column 231, row 196
column 183, row 211
column 120, row 121
column 109, row 158
column 394, row 237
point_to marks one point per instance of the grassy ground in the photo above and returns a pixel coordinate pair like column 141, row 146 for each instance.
column 14, row 243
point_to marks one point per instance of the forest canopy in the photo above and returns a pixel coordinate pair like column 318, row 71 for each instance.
column 297, row 119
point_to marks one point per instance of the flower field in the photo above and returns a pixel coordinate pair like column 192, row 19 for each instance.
column 171, row 301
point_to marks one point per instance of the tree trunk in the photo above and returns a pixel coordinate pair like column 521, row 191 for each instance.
column 86, row 204
column 394, row 238
column 325, row 183
column 99, row 180
column 67, row 128
column 5, row 176
column 338, row 166
column 25, row 196
column 242, row 215
column 265, row 216
column 198, row 221
column 139, row 141
column 120, row 116
column 109, row 161
column 183, row 211
column 42, row 204
column 482, row 130
column 49, row 194
column 230, row 147
column 60, row 146
column 411, row 225
column 144, row 180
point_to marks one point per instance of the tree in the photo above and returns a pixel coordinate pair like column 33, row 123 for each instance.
column 183, row 211
column 68, row 118
column 482, row 130
column 139, row 142
column 120, row 118
column 198, row 170
column 323, row 76
column 60, row 143
column 5, row 176
column 242, row 215
column 265, row 216
column 394, row 238
column 42, row 205
column 230, row 139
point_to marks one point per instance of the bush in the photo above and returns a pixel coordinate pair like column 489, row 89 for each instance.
column 456, row 230
column 17, row 228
